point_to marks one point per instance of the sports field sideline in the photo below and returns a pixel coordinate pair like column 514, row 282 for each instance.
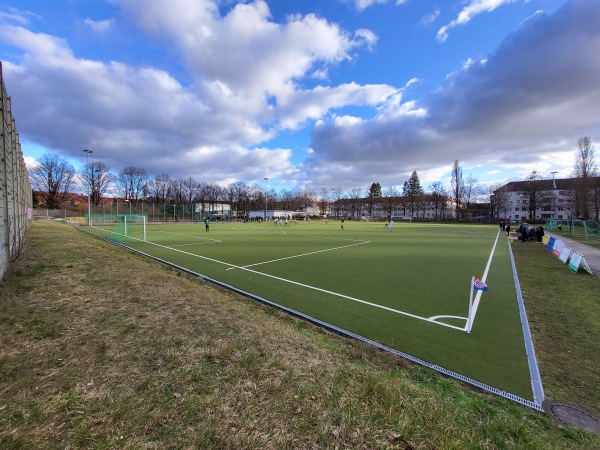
column 406, row 289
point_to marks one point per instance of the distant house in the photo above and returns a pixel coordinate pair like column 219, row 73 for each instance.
column 426, row 207
column 272, row 214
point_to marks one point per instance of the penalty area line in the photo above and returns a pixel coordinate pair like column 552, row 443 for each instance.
column 307, row 286
column 298, row 256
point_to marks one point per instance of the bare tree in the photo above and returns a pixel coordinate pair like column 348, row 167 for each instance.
column 189, row 185
column 338, row 194
column 438, row 198
column 53, row 178
column 96, row 180
column 458, row 186
column 498, row 199
column 534, row 189
column 178, row 193
column 585, row 171
column 159, row 189
column 390, row 199
column 237, row 194
column 471, row 190
column 355, row 200
column 323, row 201
column 131, row 182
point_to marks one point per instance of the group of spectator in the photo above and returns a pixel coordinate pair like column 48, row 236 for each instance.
column 527, row 232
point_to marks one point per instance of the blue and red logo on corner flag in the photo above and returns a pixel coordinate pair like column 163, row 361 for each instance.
column 479, row 285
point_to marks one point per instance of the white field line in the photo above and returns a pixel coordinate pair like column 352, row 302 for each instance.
column 302, row 254
column 196, row 243
column 174, row 249
column 293, row 234
column 314, row 288
column 479, row 293
column 189, row 235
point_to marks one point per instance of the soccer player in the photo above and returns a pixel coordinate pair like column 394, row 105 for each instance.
column 206, row 223
column 390, row 224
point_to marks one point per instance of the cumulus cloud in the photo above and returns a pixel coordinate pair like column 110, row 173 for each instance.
column 522, row 103
column 243, row 73
column 237, row 80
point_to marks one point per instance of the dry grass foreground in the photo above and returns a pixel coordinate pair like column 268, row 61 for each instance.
column 103, row 349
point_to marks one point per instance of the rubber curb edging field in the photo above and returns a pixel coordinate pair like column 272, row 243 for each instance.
column 334, row 329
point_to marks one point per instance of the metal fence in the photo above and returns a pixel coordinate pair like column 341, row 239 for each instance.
column 15, row 189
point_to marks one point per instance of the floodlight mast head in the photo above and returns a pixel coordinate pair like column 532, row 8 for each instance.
column 87, row 171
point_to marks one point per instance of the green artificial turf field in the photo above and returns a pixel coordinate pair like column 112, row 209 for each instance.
column 407, row 289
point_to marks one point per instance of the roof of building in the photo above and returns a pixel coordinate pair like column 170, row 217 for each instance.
column 544, row 185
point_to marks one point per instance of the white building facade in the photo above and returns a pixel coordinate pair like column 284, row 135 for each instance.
column 540, row 200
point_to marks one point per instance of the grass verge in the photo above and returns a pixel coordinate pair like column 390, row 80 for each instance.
column 564, row 316
column 102, row 349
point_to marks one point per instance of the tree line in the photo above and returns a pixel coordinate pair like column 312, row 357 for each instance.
column 54, row 179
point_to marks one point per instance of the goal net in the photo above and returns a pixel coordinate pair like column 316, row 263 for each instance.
column 586, row 229
column 129, row 227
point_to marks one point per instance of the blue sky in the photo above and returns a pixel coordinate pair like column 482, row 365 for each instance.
column 311, row 94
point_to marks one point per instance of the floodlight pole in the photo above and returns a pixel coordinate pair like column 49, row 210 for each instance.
column 332, row 201
column 553, row 191
column 87, row 171
column 266, row 195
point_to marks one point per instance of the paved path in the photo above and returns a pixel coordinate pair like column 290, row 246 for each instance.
column 592, row 254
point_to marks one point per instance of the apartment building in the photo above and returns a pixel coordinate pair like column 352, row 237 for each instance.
column 540, row 200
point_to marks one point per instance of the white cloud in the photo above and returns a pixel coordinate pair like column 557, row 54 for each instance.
column 523, row 106
column 431, row 17
column 472, row 9
column 99, row 26
column 361, row 5
column 244, row 70
column 367, row 36
column 31, row 162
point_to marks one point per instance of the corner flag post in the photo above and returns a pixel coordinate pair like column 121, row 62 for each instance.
column 476, row 285
column 468, row 325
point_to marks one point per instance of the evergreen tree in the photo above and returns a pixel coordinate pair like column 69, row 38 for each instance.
column 413, row 192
